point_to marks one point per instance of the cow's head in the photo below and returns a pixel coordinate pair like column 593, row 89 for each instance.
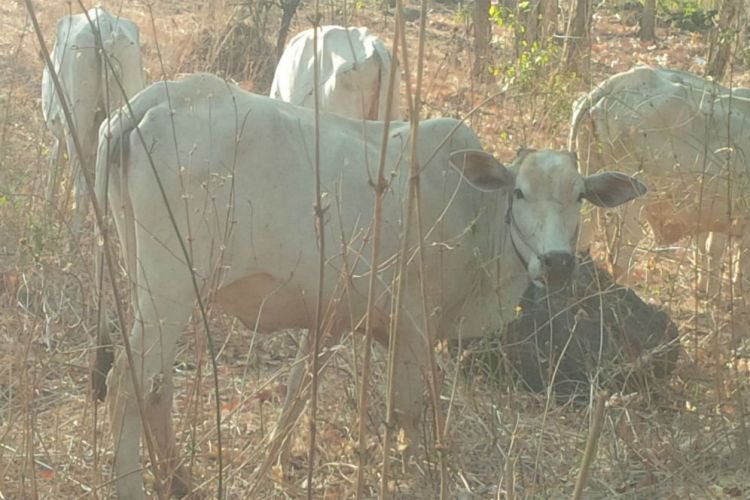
column 545, row 191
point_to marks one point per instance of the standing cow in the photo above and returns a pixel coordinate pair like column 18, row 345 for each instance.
column 234, row 170
column 689, row 137
column 91, row 89
column 354, row 68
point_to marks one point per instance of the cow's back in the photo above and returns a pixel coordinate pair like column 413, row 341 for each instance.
column 673, row 126
column 77, row 60
column 122, row 46
column 354, row 69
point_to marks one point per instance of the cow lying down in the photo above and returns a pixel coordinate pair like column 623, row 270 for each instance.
column 235, row 171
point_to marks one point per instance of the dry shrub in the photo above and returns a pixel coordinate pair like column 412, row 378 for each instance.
column 594, row 332
column 239, row 50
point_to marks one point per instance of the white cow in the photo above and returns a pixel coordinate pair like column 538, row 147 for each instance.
column 354, row 70
column 237, row 176
column 687, row 136
column 90, row 87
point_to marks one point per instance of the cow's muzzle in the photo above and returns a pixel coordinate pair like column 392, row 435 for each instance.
column 557, row 268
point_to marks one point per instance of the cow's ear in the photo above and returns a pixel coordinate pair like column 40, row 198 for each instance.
column 612, row 189
column 482, row 170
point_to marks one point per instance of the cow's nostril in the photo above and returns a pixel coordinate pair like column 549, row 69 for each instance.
column 560, row 261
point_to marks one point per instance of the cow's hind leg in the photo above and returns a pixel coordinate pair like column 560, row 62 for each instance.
column 81, row 208
column 53, row 177
column 125, row 420
column 153, row 341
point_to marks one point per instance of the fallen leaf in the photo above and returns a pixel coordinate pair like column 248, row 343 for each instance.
column 46, row 473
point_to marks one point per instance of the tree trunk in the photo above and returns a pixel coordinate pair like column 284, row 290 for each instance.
column 288, row 8
column 536, row 23
column 527, row 25
column 578, row 39
column 549, row 19
column 648, row 21
column 481, row 19
column 722, row 38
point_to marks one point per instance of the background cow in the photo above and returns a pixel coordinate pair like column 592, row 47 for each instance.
column 688, row 137
column 90, row 87
column 354, row 72
column 239, row 183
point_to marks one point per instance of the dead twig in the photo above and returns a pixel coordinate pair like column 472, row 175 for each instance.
column 593, row 438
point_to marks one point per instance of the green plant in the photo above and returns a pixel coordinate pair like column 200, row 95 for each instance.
column 689, row 15
column 533, row 60
column 532, row 63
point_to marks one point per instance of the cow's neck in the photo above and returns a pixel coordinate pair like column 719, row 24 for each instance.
column 512, row 277
column 501, row 275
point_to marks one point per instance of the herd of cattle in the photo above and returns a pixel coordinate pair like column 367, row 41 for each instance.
column 213, row 185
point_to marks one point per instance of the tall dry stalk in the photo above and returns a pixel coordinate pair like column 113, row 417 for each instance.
column 412, row 210
column 434, row 382
column 320, row 226
column 189, row 264
column 379, row 187
column 399, row 279
column 99, row 216
column 591, row 443
column 743, row 439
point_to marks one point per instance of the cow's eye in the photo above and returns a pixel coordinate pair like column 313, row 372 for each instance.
column 518, row 194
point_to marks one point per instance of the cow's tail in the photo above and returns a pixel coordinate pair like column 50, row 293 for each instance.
column 581, row 108
column 388, row 64
column 112, row 159
column 581, row 121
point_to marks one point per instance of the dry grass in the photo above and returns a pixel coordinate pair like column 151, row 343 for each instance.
column 54, row 441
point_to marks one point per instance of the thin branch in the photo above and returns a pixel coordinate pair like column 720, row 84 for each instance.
column 320, row 225
column 379, row 187
column 98, row 214
column 591, row 442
